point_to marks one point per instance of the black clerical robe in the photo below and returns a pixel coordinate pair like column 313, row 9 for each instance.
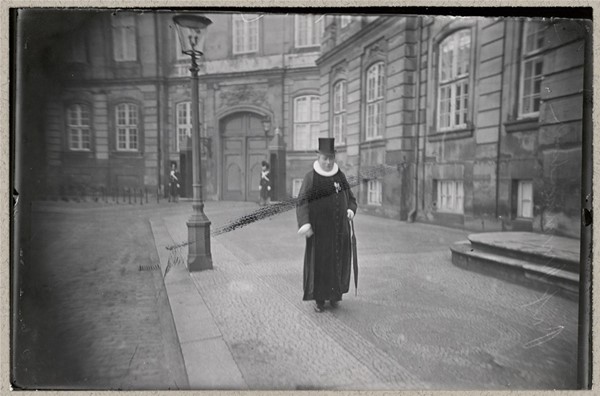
column 323, row 202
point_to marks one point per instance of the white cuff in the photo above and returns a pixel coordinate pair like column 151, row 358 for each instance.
column 304, row 229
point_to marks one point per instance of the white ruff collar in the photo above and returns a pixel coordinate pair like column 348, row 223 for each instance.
column 322, row 172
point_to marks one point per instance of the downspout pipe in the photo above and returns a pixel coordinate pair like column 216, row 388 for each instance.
column 499, row 142
column 413, row 213
column 159, row 89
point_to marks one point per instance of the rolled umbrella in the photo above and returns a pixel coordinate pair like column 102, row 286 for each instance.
column 354, row 258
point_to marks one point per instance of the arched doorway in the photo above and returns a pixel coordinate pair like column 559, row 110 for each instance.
column 244, row 148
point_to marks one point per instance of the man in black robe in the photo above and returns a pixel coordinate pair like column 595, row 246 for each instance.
column 325, row 205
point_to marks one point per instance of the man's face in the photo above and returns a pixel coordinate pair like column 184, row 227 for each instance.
column 326, row 162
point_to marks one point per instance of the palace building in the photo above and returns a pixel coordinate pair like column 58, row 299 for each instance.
column 467, row 122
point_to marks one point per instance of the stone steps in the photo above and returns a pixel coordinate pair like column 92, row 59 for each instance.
column 548, row 263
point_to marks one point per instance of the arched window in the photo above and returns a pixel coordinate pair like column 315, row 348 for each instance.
column 532, row 65
column 306, row 122
column 127, row 127
column 78, row 126
column 184, row 123
column 339, row 112
column 375, row 90
column 453, row 80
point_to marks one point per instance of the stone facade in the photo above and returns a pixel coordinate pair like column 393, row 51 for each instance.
column 234, row 86
column 467, row 122
column 497, row 167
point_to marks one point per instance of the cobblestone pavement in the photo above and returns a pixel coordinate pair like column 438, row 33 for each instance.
column 418, row 322
column 89, row 317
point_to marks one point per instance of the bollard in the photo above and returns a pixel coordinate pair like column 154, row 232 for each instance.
column 157, row 195
column 141, row 197
column 146, row 192
column 129, row 195
column 134, row 197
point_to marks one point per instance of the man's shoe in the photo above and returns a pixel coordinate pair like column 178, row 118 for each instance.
column 320, row 306
column 333, row 303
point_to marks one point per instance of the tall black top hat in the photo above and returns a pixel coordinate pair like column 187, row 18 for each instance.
column 326, row 146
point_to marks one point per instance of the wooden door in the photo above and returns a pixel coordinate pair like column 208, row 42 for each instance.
column 234, row 166
column 244, row 149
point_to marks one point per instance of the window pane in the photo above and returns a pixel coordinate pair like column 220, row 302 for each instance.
column 133, row 142
column 132, row 114
column 301, row 113
column 315, row 108
column 301, row 137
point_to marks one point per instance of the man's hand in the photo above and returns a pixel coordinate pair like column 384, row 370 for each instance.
column 350, row 214
column 306, row 231
column 268, row 188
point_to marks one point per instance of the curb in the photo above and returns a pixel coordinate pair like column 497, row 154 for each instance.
column 208, row 361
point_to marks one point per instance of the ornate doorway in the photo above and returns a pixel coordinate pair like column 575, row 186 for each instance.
column 244, row 148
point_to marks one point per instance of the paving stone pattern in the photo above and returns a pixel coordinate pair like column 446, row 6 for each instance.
column 90, row 319
column 418, row 322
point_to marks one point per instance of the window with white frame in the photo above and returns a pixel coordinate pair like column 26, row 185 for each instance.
column 525, row 199
column 184, row 123
column 124, row 38
column 127, row 127
column 345, row 20
column 374, row 192
column 375, row 90
column 78, row 125
column 296, row 185
column 450, row 196
column 306, row 122
column 339, row 112
column 453, row 80
column 245, row 33
column 532, row 66
column 308, row 30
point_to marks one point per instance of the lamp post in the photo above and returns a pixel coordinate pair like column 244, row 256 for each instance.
column 191, row 30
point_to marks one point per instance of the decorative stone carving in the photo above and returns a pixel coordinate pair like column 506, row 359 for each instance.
column 242, row 94
column 377, row 50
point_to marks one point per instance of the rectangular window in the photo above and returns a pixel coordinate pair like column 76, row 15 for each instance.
column 525, row 199
column 127, row 127
column 78, row 125
column 374, row 189
column 245, row 33
column 124, row 38
column 374, row 111
column 453, row 84
column 450, row 196
column 532, row 65
column 533, row 37
column 306, row 122
column 296, row 184
column 308, row 30
column 339, row 112
column 184, row 124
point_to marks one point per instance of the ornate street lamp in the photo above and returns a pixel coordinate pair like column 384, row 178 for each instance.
column 191, row 30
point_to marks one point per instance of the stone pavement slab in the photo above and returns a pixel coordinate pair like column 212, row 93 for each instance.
column 208, row 362
column 418, row 322
column 549, row 246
